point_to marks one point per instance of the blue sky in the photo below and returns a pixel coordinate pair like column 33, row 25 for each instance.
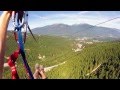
column 43, row 18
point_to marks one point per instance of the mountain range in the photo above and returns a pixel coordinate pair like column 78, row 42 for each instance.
column 77, row 30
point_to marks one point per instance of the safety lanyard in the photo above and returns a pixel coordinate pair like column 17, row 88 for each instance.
column 18, row 36
column 22, row 52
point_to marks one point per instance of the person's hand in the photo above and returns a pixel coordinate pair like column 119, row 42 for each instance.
column 42, row 72
column 20, row 14
column 6, row 65
column 6, row 15
column 9, row 12
column 41, row 67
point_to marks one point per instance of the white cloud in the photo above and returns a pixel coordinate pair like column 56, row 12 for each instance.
column 83, row 12
column 38, row 16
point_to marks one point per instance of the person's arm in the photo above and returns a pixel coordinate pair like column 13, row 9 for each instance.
column 4, row 21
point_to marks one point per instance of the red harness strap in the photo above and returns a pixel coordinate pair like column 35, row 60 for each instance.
column 11, row 63
column 12, row 59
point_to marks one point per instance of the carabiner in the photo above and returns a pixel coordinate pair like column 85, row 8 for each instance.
column 18, row 24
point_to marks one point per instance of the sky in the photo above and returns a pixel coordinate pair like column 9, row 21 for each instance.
column 43, row 18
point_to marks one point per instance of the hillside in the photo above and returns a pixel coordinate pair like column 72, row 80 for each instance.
column 71, row 59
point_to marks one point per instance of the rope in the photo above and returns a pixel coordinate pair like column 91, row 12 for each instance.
column 22, row 52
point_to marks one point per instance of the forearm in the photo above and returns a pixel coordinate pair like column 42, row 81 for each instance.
column 43, row 76
column 4, row 20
